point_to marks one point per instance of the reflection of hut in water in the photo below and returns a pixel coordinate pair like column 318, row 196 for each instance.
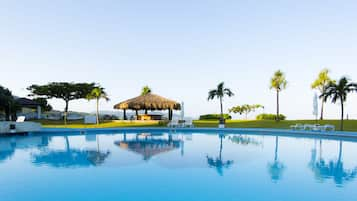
column 149, row 146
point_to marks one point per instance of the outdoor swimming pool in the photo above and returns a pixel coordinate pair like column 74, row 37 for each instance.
column 180, row 166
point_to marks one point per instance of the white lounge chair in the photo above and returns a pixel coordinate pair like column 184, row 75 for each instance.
column 20, row 119
column 188, row 123
column 328, row 127
column 297, row 127
column 308, row 127
column 173, row 123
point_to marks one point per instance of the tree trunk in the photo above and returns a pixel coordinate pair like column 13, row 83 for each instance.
column 342, row 114
column 222, row 118
column 277, row 106
column 7, row 113
column 98, row 111
column 170, row 114
column 322, row 110
column 65, row 112
column 137, row 114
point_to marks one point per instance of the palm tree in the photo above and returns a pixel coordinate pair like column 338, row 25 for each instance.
column 146, row 90
column 97, row 93
column 338, row 92
column 278, row 82
column 220, row 92
column 321, row 83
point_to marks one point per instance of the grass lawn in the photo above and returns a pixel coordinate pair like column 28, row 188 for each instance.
column 103, row 124
column 350, row 125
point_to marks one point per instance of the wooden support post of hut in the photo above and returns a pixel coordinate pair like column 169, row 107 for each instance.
column 149, row 102
column 124, row 114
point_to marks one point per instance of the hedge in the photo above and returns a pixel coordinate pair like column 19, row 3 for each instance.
column 214, row 116
column 270, row 117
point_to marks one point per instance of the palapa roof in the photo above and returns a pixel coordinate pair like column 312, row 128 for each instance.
column 148, row 102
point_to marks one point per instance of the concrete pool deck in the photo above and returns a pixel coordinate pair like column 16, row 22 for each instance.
column 343, row 135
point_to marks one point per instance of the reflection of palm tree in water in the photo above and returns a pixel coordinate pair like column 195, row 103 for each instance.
column 218, row 163
column 276, row 168
column 332, row 169
column 97, row 157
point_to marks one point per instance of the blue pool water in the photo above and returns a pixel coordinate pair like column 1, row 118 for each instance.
column 181, row 166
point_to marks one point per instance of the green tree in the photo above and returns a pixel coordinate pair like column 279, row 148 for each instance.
column 66, row 91
column 7, row 103
column 320, row 84
column 278, row 83
column 146, row 90
column 245, row 109
column 219, row 93
column 45, row 106
column 97, row 93
column 338, row 92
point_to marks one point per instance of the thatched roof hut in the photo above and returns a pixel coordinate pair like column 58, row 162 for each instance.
column 149, row 102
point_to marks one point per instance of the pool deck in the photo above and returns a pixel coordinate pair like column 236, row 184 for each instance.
column 344, row 135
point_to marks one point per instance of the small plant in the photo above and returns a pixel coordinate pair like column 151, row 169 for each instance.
column 163, row 122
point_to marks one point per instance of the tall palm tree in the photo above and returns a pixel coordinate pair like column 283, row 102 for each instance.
column 278, row 82
column 220, row 92
column 320, row 84
column 338, row 92
column 96, row 94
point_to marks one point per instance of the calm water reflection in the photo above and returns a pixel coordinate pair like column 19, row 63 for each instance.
column 233, row 160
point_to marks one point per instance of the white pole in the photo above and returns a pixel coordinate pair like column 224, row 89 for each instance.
column 38, row 112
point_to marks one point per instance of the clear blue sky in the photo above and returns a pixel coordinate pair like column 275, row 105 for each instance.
column 181, row 49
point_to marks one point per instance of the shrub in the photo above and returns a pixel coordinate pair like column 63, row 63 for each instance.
column 215, row 116
column 270, row 117
column 163, row 122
